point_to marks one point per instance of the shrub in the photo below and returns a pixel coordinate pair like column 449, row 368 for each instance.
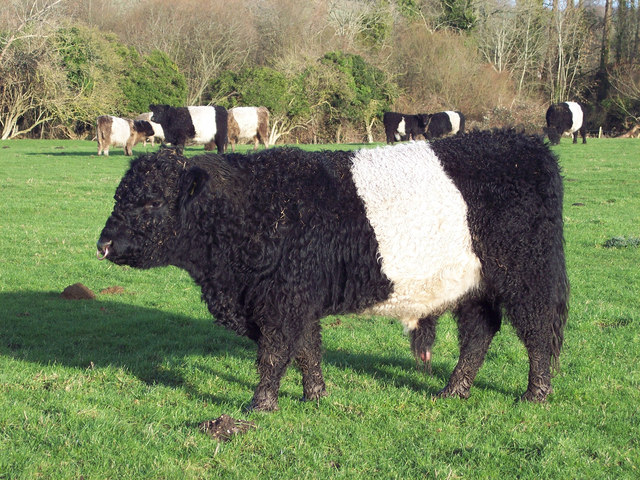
column 369, row 91
column 154, row 78
column 92, row 68
column 443, row 71
column 338, row 93
column 106, row 77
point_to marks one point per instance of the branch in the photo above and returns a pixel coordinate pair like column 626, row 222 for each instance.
column 35, row 14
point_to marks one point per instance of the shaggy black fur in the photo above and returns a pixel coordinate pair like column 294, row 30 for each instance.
column 179, row 128
column 559, row 120
column 279, row 239
column 415, row 125
column 439, row 124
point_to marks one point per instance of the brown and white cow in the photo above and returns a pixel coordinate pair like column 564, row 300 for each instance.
column 248, row 123
column 118, row 132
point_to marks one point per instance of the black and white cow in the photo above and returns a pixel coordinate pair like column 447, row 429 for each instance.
column 444, row 123
column 200, row 125
column 566, row 117
column 281, row 238
column 399, row 127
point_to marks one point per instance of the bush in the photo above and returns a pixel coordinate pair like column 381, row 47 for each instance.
column 260, row 86
column 338, row 93
column 369, row 91
column 443, row 71
column 154, row 78
column 92, row 68
column 106, row 77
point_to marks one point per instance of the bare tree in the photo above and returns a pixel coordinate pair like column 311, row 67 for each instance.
column 568, row 53
column 512, row 38
column 625, row 80
column 347, row 17
column 24, row 21
column 19, row 97
column 604, row 51
column 25, row 26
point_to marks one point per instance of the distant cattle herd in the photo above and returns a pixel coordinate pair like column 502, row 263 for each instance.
column 214, row 126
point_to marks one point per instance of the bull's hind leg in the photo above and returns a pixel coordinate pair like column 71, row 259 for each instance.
column 478, row 321
column 309, row 360
column 534, row 325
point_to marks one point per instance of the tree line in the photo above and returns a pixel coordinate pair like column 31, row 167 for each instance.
column 326, row 69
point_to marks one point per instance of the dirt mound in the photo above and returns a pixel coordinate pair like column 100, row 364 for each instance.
column 77, row 291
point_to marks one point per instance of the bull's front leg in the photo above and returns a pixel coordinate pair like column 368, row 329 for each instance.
column 274, row 355
column 309, row 359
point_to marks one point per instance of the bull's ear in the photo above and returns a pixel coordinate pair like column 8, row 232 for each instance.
column 194, row 181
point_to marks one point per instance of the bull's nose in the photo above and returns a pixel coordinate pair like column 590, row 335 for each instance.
column 103, row 248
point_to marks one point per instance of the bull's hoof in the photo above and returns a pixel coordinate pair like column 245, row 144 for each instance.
column 263, row 403
column 536, row 395
column 262, row 407
column 453, row 392
column 315, row 394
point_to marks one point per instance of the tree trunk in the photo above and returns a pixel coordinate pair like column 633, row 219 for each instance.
column 602, row 76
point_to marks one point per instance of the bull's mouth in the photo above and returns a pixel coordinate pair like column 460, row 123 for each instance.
column 103, row 250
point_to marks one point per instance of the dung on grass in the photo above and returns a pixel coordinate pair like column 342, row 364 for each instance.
column 622, row 242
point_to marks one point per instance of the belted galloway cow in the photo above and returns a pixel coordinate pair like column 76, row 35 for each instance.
column 566, row 117
column 281, row 238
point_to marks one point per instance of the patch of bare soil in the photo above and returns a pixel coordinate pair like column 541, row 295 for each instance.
column 224, row 427
column 115, row 290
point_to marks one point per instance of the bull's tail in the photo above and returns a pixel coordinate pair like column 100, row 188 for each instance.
column 559, row 321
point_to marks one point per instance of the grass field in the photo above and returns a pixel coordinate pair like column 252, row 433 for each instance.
column 114, row 388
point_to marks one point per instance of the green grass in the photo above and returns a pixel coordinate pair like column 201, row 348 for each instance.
column 115, row 388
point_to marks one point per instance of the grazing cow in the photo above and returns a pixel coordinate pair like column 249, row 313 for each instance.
column 200, row 125
column 400, row 126
column 248, row 123
column 444, row 123
column 151, row 130
column 116, row 131
column 565, row 117
column 280, row 238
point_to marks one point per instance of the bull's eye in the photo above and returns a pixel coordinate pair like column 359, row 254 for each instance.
column 153, row 205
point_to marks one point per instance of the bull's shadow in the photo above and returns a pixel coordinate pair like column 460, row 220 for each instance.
column 43, row 328
column 114, row 152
